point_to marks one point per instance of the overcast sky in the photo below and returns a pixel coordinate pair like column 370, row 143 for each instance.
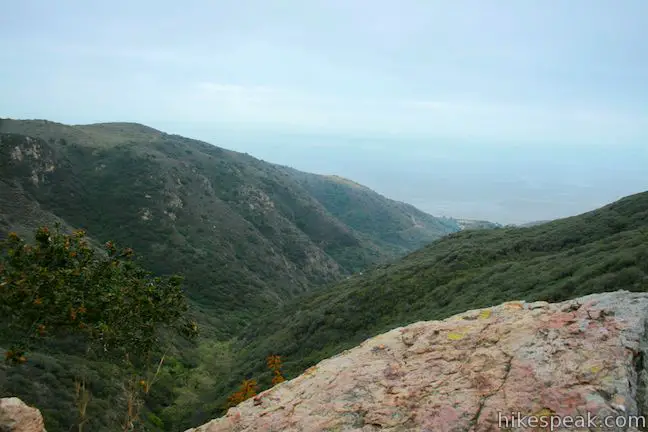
column 415, row 77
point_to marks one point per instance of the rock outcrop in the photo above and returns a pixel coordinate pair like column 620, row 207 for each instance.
column 16, row 416
column 477, row 371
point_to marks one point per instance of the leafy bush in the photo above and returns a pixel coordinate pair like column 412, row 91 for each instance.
column 61, row 287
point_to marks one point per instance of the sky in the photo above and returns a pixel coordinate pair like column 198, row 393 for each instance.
column 504, row 110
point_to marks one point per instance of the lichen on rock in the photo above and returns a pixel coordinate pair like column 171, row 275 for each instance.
column 468, row 372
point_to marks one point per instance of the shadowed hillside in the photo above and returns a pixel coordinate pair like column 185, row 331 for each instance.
column 247, row 234
column 395, row 226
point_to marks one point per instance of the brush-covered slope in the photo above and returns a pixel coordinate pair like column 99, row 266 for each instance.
column 603, row 250
column 393, row 225
column 246, row 234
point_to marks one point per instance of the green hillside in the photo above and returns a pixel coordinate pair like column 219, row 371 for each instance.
column 393, row 225
column 603, row 250
column 276, row 261
column 247, row 234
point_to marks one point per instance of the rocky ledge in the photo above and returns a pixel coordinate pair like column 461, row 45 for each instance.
column 16, row 416
column 477, row 371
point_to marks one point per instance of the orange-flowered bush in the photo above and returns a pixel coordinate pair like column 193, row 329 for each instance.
column 249, row 389
column 274, row 364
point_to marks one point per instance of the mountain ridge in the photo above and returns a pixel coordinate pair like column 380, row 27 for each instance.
column 184, row 203
column 248, row 236
column 278, row 261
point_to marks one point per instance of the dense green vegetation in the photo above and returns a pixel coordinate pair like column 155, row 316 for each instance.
column 603, row 250
column 392, row 225
column 247, row 236
column 60, row 294
column 276, row 262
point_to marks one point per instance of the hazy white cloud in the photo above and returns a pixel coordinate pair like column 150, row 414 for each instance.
column 463, row 70
column 151, row 54
column 579, row 125
column 236, row 89
column 499, row 122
